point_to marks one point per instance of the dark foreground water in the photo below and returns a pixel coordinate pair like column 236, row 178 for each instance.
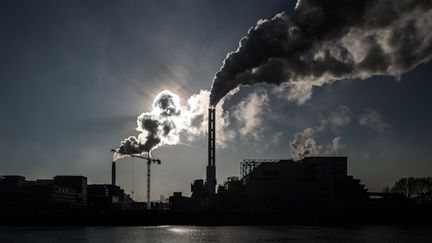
column 236, row 234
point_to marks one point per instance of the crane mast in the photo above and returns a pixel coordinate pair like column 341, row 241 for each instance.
column 149, row 162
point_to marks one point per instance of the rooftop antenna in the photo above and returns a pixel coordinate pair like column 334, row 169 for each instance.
column 149, row 162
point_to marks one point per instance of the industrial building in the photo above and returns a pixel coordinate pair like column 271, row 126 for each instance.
column 312, row 183
column 106, row 197
column 274, row 185
column 267, row 191
column 319, row 183
column 59, row 192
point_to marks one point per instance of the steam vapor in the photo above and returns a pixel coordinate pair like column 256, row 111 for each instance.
column 164, row 125
column 318, row 43
column 335, row 146
column 324, row 41
column 304, row 145
column 170, row 123
column 374, row 120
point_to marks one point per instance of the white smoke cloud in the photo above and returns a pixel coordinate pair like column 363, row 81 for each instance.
column 249, row 112
column 335, row 146
column 170, row 123
column 374, row 120
column 304, row 145
column 198, row 117
column 336, row 119
column 297, row 92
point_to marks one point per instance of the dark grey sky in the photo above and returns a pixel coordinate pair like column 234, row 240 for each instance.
column 76, row 74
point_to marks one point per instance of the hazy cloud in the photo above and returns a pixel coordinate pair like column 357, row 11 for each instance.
column 276, row 137
column 250, row 114
column 335, row 146
column 373, row 120
column 336, row 119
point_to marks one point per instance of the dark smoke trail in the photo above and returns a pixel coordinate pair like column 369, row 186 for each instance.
column 323, row 41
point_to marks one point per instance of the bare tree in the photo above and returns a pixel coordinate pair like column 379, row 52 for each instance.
column 419, row 189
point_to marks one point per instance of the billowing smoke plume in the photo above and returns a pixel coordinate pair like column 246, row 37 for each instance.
column 170, row 123
column 323, row 41
column 304, row 145
column 164, row 125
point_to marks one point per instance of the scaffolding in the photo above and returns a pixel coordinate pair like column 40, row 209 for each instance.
column 248, row 165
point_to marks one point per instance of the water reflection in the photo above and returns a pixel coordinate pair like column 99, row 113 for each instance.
column 182, row 230
column 235, row 234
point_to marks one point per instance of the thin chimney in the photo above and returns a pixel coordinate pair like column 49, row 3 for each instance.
column 211, row 167
column 113, row 173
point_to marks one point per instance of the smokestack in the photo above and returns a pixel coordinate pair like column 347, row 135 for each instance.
column 113, row 173
column 211, row 167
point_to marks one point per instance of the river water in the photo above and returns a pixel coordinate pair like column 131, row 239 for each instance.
column 235, row 234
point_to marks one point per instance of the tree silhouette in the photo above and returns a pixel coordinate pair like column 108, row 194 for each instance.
column 418, row 189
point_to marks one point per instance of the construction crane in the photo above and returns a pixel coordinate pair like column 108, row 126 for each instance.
column 149, row 162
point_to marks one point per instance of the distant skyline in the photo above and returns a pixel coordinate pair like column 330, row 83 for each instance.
column 75, row 76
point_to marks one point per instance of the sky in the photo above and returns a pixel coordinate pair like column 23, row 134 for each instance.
column 75, row 75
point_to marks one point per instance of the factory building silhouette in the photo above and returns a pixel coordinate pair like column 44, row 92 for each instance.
column 281, row 185
column 314, row 182
column 277, row 186
column 61, row 192
column 265, row 185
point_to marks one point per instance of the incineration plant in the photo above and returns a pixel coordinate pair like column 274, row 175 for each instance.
column 266, row 185
column 318, row 183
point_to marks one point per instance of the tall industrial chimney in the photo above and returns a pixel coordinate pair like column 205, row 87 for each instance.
column 211, row 167
column 113, row 173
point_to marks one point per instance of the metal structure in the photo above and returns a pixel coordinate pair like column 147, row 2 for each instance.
column 211, row 167
column 248, row 165
column 149, row 162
